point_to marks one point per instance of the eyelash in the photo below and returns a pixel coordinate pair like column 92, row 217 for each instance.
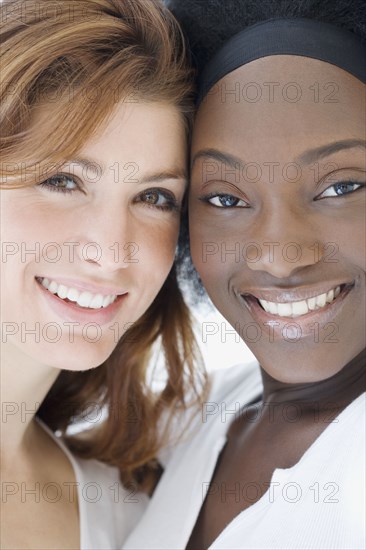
column 360, row 186
column 207, row 198
column 172, row 203
column 46, row 184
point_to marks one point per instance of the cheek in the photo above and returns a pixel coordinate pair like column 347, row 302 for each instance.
column 156, row 250
column 32, row 243
column 355, row 251
column 358, row 251
column 198, row 238
column 345, row 240
column 31, row 224
column 208, row 254
column 24, row 234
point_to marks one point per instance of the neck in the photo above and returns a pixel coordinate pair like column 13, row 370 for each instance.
column 24, row 385
column 335, row 392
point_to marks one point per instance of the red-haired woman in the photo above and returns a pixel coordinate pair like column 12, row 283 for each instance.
column 95, row 112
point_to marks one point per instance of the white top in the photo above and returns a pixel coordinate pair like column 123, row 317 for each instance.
column 107, row 511
column 317, row 504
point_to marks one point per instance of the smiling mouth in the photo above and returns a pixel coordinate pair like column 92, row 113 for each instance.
column 293, row 309
column 83, row 300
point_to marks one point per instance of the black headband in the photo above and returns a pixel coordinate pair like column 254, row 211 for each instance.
column 302, row 37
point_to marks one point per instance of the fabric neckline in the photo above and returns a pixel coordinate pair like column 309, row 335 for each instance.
column 281, row 473
column 76, row 470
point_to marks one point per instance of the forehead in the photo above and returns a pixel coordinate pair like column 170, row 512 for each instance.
column 282, row 105
column 140, row 129
column 150, row 135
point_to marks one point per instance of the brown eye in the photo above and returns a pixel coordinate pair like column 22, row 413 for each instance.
column 158, row 198
column 152, row 197
column 62, row 183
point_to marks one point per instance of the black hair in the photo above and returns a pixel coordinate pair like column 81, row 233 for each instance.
column 208, row 24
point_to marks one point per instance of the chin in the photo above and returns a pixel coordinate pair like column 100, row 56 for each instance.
column 71, row 356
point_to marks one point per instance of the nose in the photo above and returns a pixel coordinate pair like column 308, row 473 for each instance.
column 107, row 238
column 284, row 243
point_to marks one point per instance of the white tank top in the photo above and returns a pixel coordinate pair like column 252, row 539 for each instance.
column 319, row 503
column 107, row 511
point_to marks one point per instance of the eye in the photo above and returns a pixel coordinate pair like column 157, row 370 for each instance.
column 161, row 199
column 62, row 183
column 341, row 189
column 224, row 200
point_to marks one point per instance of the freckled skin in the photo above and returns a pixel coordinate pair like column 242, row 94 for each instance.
column 322, row 367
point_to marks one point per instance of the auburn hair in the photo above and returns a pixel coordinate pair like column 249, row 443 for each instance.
column 84, row 56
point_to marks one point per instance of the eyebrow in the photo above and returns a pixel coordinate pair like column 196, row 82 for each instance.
column 157, row 177
column 307, row 157
column 312, row 155
column 89, row 164
column 220, row 156
column 163, row 176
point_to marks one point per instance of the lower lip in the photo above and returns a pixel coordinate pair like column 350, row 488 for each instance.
column 71, row 312
column 295, row 328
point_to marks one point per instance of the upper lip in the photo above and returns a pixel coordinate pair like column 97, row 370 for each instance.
column 284, row 295
column 85, row 286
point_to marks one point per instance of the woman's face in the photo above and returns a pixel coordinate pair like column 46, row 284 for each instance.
column 277, row 212
column 85, row 253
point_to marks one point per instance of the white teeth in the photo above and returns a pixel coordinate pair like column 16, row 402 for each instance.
column 300, row 308
column 53, row 287
column 285, row 310
column 83, row 299
column 106, row 301
column 109, row 300
column 73, row 294
column 273, row 308
column 295, row 309
column 97, row 302
column 62, row 292
column 321, row 300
